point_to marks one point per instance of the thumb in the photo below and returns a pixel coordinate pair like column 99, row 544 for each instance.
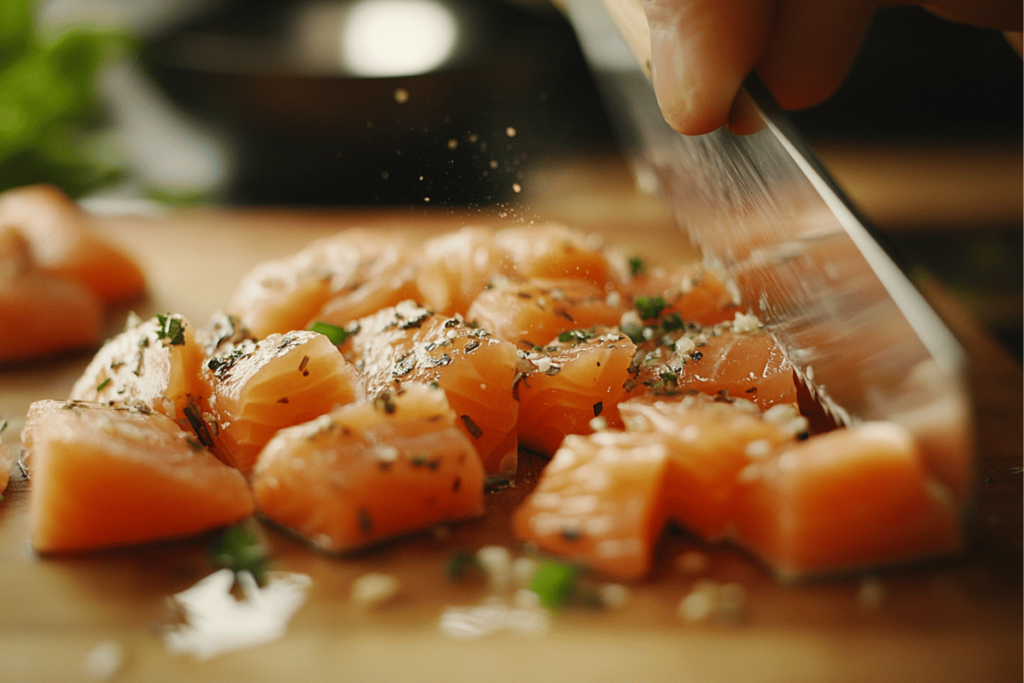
column 701, row 51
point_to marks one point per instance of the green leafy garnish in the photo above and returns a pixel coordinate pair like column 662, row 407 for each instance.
column 649, row 307
column 554, row 583
column 335, row 333
column 636, row 266
column 170, row 330
column 239, row 549
column 53, row 126
column 575, row 336
column 461, row 565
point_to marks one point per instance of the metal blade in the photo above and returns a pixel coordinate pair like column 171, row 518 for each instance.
column 763, row 209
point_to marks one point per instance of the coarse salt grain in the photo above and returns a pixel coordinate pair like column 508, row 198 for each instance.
column 375, row 589
column 104, row 661
column 613, row 595
column 496, row 561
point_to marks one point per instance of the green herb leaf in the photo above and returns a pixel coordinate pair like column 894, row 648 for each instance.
column 170, row 330
column 461, row 565
column 554, row 583
column 649, row 307
column 636, row 266
column 575, row 336
column 335, row 333
column 239, row 549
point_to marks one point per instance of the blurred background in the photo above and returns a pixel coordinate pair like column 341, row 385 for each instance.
column 478, row 103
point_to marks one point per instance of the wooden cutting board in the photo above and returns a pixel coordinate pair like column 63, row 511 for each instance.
column 952, row 620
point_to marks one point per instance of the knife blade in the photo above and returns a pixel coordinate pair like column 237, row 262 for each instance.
column 762, row 208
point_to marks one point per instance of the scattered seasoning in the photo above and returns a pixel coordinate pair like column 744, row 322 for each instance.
column 575, row 336
column 472, row 427
column 170, row 330
column 302, row 365
column 375, row 589
column 104, row 661
column 283, row 399
column 199, row 425
column 598, row 407
column 462, row 565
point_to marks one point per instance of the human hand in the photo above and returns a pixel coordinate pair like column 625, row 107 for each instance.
column 702, row 50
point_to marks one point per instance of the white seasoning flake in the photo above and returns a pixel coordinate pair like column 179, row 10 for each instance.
column 492, row 616
column 375, row 589
column 613, row 596
column 700, row 604
column 104, row 661
column 744, row 323
column 496, row 561
column 598, row 424
column 216, row 622
column 517, row 188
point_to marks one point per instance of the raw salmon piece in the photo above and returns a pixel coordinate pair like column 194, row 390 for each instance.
column 713, row 445
column 571, row 383
column 335, row 279
column 63, row 243
column 5, row 467
column 257, row 388
column 727, row 359
column 106, row 476
column 408, row 343
column 154, row 363
column 552, row 251
column 690, row 290
column 370, row 471
column 42, row 313
column 456, row 266
column 849, row 499
column 600, row 502
column 531, row 313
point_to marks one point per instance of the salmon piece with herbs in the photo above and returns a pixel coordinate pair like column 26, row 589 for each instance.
column 43, row 313
column 256, row 388
column 532, row 313
column 575, row 383
column 63, row 243
column 154, row 363
column 105, row 476
column 336, row 279
column 371, row 471
column 410, row 344
column 691, row 291
column 714, row 445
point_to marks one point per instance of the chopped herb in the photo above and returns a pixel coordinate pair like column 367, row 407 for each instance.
column 386, row 402
column 554, row 583
column 239, row 549
column 648, row 307
column 3, row 425
column 199, row 426
column 672, row 322
column 575, row 336
column 462, row 565
column 336, row 334
column 103, row 385
column 637, row 266
column 598, row 407
column 472, row 427
column 170, row 330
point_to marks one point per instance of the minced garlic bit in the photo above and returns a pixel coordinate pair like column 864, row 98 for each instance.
column 375, row 589
column 216, row 622
column 492, row 616
column 744, row 323
column 496, row 561
column 613, row 596
column 710, row 600
column 104, row 661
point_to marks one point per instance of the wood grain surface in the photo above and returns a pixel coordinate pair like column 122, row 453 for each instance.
column 953, row 620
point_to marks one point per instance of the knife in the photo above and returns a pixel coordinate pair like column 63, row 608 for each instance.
column 763, row 210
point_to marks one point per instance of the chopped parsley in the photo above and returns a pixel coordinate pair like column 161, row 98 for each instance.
column 649, row 307
column 239, row 549
column 637, row 266
column 575, row 336
column 555, row 582
column 170, row 330
column 337, row 334
column 462, row 565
